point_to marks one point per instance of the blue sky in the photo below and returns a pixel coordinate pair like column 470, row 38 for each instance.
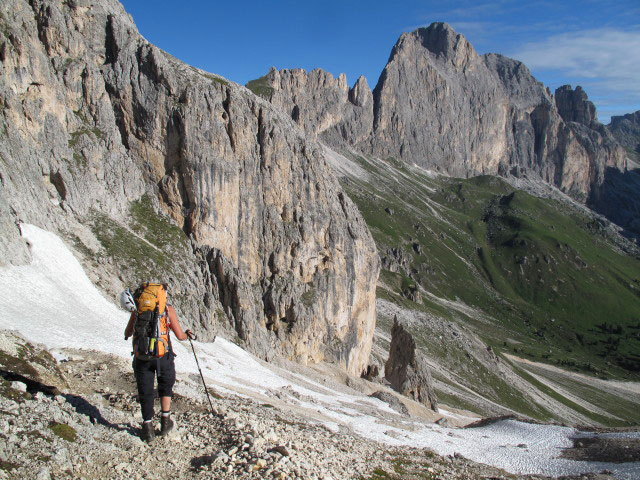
column 591, row 43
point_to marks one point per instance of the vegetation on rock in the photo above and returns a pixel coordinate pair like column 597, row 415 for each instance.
column 64, row 431
column 261, row 87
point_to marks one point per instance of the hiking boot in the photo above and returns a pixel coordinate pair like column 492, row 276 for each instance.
column 166, row 425
column 148, row 433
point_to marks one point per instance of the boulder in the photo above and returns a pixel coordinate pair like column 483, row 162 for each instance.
column 394, row 402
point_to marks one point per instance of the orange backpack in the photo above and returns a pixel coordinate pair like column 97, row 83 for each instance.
column 151, row 326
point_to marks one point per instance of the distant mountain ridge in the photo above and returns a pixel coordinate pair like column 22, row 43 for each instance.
column 486, row 276
column 440, row 105
column 626, row 129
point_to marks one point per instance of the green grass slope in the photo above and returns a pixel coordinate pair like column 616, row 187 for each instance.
column 534, row 277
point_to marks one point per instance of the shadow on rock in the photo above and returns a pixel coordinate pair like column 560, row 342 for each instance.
column 83, row 407
column 33, row 386
column 618, row 199
column 201, row 461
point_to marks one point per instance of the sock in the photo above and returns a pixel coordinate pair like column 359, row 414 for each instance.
column 147, row 421
column 166, row 414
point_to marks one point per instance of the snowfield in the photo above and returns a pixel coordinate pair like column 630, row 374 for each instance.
column 53, row 302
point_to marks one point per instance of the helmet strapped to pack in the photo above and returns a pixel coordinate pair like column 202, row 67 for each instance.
column 151, row 326
column 127, row 302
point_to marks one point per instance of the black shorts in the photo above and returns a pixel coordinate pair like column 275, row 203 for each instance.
column 147, row 370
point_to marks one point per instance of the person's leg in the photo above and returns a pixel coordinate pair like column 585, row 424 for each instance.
column 165, row 404
column 166, row 380
column 145, row 376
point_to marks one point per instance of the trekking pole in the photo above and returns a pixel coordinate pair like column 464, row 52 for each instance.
column 202, row 376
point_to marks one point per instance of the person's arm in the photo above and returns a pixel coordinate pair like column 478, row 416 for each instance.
column 129, row 330
column 175, row 325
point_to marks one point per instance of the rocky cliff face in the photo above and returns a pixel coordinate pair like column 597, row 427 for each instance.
column 626, row 130
column 407, row 370
column 442, row 106
column 574, row 106
column 324, row 105
column 618, row 198
column 100, row 131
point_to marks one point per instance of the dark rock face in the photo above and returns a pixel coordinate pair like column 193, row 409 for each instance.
column 94, row 118
column 371, row 373
column 396, row 260
column 573, row 106
column 626, row 130
column 618, row 199
column 442, row 106
column 406, row 370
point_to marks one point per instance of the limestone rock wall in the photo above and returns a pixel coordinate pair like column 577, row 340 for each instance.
column 94, row 118
column 574, row 106
column 626, row 130
column 442, row 106
column 324, row 105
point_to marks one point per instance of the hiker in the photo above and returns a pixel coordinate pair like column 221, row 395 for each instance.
column 151, row 319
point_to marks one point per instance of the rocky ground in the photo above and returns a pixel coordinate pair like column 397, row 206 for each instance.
column 78, row 418
column 617, row 450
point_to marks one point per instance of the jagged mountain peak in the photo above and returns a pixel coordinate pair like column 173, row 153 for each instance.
column 575, row 106
column 440, row 40
column 440, row 105
column 360, row 94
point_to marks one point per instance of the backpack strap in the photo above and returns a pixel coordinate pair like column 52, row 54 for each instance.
column 168, row 324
